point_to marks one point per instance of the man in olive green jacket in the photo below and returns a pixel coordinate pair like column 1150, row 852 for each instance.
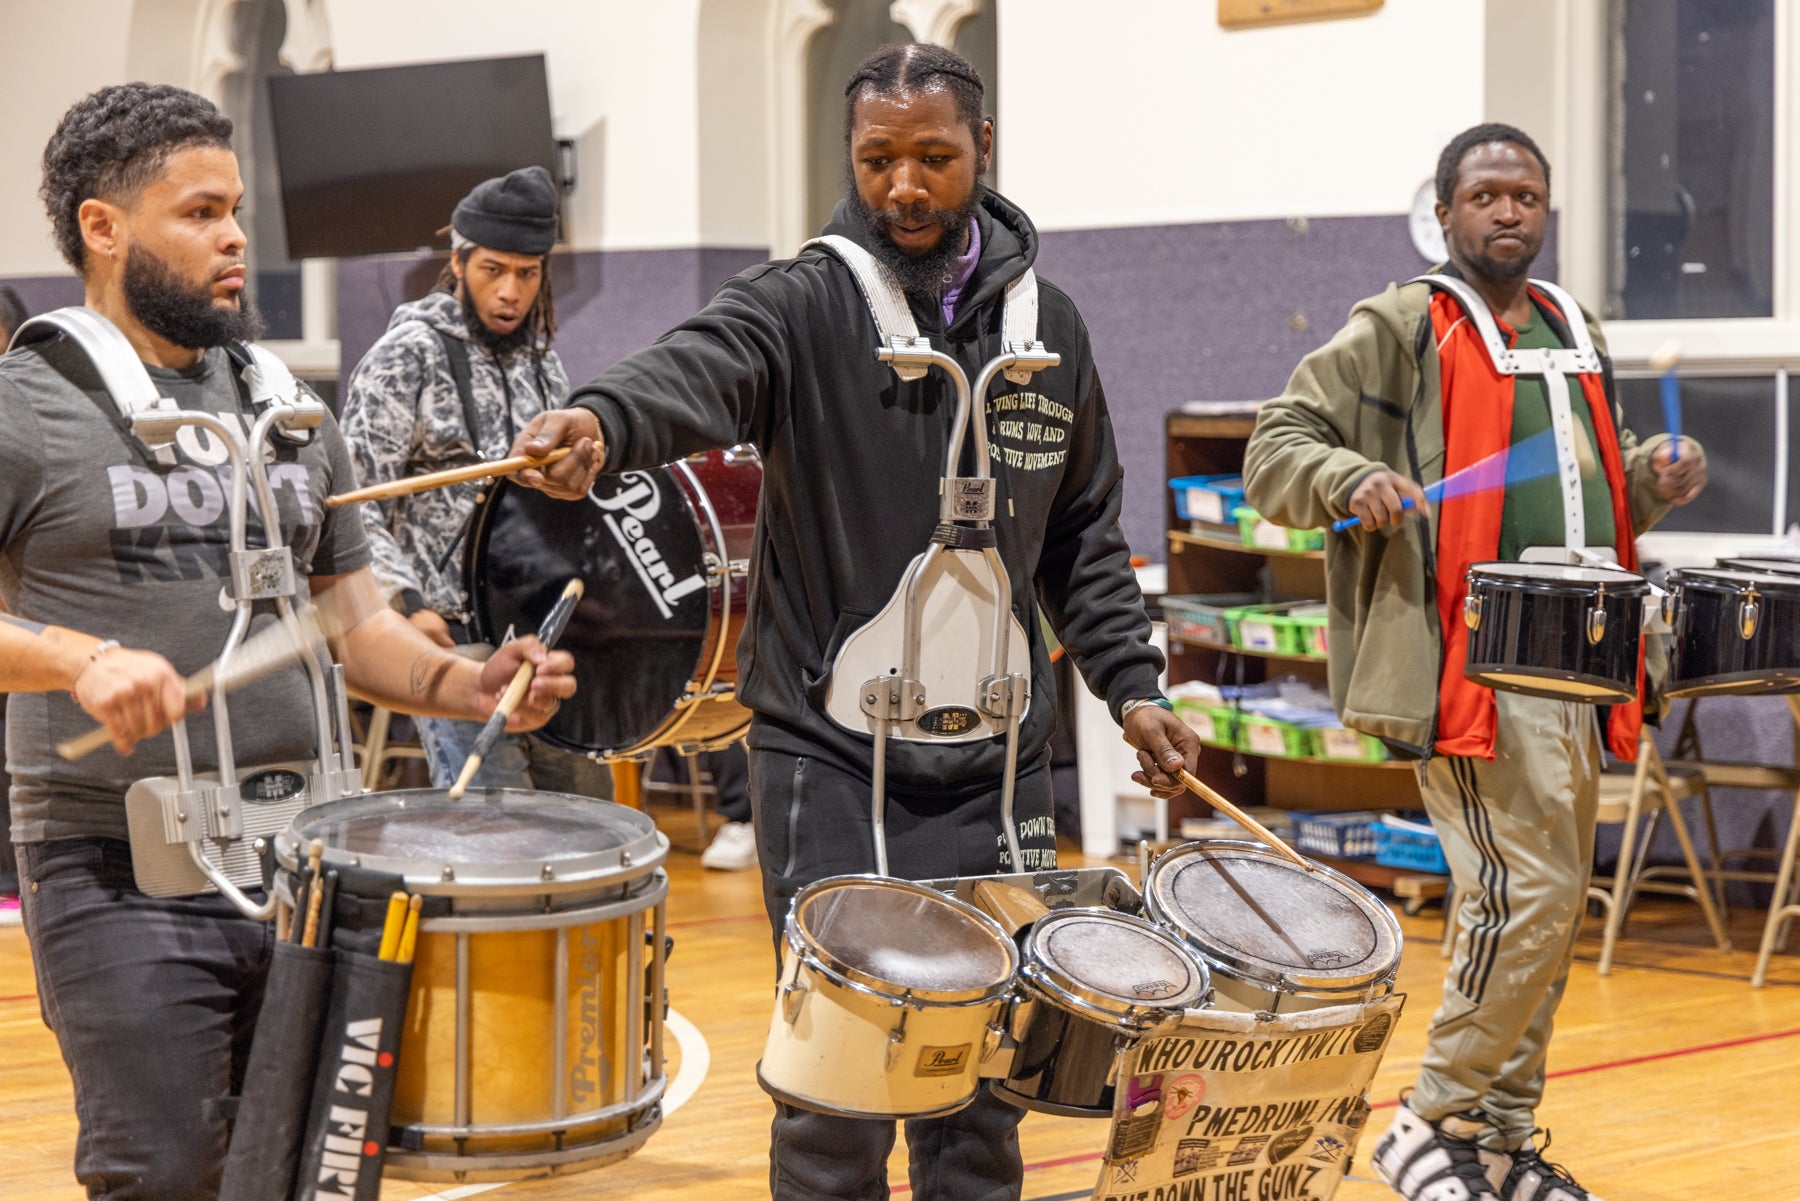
column 1360, row 431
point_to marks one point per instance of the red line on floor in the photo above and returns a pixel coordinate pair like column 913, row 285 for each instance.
column 1581, row 1071
column 29, row 996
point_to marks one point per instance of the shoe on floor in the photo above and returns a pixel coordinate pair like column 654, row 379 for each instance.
column 733, row 848
column 1534, row 1178
column 9, row 909
column 1439, row 1161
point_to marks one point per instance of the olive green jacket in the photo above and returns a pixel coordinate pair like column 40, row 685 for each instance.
column 1369, row 399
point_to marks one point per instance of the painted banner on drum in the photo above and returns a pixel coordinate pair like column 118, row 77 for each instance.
column 1216, row 1105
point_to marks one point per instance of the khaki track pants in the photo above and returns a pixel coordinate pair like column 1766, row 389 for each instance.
column 1518, row 832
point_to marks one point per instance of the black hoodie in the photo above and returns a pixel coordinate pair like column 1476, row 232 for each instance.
column 784, row 357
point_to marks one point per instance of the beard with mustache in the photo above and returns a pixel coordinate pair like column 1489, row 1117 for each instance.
column 181, row 312
column 925, row 275
column 498, row 345
column 1502, row 270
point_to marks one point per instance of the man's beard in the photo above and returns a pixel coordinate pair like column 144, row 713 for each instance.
column 1502, row 270
column 924, row 275
column 496, row 344
column 179, row 312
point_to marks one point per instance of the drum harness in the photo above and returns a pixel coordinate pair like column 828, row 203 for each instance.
column 1555, row 366
column 195, row 811
column 899, row 704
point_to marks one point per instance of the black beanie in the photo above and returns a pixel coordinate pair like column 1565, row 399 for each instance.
column 515, row 213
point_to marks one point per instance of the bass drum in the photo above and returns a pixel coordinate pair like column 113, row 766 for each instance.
column 664, row 555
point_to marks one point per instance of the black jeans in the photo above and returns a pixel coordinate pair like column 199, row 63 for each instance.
column 813, row 821
column 153, row 1002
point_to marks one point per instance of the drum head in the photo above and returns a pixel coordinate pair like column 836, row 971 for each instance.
column 639, row 630
column 1766, row 564
column 1113, row 964
column 504, row 840
column 897, row 937
column 1256, row 916
column 1560, row 577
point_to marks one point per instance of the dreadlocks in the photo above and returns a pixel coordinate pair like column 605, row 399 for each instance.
column 539, row 326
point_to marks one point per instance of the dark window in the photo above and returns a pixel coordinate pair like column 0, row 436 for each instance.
column 1734, row 419
column 1690, row 214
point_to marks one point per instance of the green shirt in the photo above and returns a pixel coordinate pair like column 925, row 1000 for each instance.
column 1532, row 514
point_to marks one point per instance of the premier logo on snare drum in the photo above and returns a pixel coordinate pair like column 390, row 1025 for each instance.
column 625, row 514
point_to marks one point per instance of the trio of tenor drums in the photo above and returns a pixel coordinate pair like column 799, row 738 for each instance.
column 898, row 1001
column 1573, row 633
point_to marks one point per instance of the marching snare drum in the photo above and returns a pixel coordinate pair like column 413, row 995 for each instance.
column 1556, row 630
column 534, row 1028
column 1093, row 981
column 1277, row 937
column 1734, row 633
column 891, row 997
column 664, row 556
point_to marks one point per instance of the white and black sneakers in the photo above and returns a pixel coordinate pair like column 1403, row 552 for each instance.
column 1439, row 1161
column 1534, row 1178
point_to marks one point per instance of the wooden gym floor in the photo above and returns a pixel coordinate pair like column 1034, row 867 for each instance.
column 1672, row 1079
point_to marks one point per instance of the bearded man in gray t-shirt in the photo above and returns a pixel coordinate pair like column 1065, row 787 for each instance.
column 113, row 566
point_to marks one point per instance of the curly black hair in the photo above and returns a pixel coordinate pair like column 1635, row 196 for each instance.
column 111, row 143
column 918, row 67
column 1451, row 160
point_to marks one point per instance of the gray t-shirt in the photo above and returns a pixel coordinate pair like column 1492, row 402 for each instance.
column 100, row 534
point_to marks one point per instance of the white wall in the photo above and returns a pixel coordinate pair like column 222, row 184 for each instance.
column 1149, row 113
column 622, row 85
column 58, row 54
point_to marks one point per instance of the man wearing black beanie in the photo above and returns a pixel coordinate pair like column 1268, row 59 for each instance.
column 454, row 378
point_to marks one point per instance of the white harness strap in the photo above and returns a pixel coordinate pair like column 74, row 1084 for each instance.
column 1555, row 366
column 121, row 371
column 894, row 324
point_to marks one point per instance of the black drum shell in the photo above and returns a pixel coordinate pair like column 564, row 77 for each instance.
column 1538, row 629
column 1063, row 1063
column 1709, row 656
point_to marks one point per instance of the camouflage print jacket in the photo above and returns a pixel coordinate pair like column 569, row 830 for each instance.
column 403, row 417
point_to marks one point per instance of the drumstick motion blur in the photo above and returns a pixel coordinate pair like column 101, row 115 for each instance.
column 1664, row 361
column 444, row 479
column 1531, row 459
column 515, row 691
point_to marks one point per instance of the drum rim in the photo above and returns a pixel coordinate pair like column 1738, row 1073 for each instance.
column 1628, row 583
column 1620, row 695
column 815, row 955
column 1788, row 565
column 1081, row 1000
column 1297, row 983
column 1775, row 582
column 616, row 865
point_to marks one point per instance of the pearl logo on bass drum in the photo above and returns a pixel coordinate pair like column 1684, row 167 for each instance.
column 626, row 514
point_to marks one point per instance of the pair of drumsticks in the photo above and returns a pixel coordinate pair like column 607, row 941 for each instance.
column 309, row 922
column 400, row 932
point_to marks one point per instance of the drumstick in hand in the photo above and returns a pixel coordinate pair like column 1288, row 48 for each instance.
column 1241, row 818
column 443, row 479
column 259, row 655
column 515, row 691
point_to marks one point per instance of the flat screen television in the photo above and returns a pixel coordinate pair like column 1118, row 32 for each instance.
column 373, row 161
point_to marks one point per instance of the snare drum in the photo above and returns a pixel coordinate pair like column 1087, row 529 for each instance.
column 1734, row 633
column 534, row 1029
column 664, row 554
column 1093, row 981
column 891, row 997
column 1277, row 937
column 1552, row 629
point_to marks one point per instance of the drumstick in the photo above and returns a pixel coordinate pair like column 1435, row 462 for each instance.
column 315, row 854
column 1528, row 460
column 268, row 651
column 1241, row 818
column 1665, row 360
column 443, row 479
column 409, row 934
column 390, row 928
column 551, row 630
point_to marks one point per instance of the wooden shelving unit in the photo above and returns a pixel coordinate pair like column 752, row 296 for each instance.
column 1205, row 563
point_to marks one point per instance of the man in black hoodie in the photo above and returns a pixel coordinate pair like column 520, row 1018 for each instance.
column 784, row 358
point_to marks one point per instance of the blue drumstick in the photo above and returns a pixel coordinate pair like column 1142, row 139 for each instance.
column 1531, row 459
column 1665, row 360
